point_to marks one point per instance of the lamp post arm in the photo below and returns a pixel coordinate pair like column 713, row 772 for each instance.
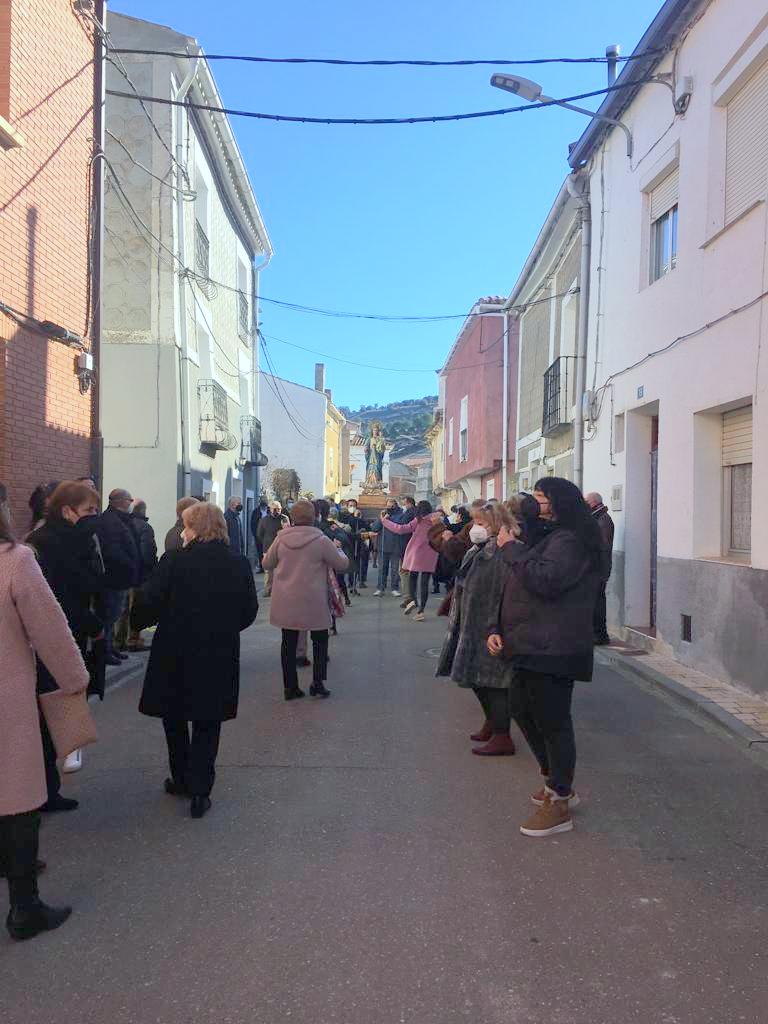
column 591, row 113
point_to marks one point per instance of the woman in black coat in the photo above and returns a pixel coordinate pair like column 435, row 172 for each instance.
column 68, row 554
column 201, row 597
column 545, row 628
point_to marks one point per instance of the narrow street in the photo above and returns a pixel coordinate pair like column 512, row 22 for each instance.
column 360, row 866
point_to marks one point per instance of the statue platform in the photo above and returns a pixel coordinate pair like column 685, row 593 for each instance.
column 372, row 502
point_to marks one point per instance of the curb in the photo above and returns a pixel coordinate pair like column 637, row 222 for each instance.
column 633, row 668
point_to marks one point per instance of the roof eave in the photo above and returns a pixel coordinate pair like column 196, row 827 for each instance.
column 659, row 37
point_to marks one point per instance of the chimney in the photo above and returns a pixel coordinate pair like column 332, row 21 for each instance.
column 612, row 52
column 328, row 394
column 320, row 377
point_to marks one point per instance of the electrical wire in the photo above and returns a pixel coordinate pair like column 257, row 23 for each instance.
column 188, row 195
column 279, row 379
column 392, row 63
column 430, row 118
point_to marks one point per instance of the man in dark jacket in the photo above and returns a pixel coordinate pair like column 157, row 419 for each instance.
column 122, row 563
column 408, row 513
column 259, row 513
column 127, row 638
column 605, row 525
column 266, row 531
column 235, row 530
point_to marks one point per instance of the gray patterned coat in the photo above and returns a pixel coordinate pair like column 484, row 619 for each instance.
column 474, row 611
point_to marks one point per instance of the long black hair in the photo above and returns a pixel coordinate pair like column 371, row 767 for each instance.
column 570, row 512
column 322, row 508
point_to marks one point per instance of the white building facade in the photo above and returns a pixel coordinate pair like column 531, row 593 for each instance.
column 184, row 240
column 676, row 437
column 293, row 431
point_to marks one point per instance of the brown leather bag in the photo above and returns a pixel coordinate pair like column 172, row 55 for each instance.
column 69, row 720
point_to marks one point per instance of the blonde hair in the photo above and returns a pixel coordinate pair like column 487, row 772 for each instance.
column 494, row 516
column 206, row 521
column 303, row 513
column 184, row 503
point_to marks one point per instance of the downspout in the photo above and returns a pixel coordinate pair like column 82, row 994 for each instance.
column 578, row 187
column 505, row 410
column 97, row 269
column 186, row 425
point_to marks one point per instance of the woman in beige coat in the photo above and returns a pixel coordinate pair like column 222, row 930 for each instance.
column 31, row 622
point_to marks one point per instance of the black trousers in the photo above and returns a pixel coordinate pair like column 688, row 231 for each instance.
column 541, row 706
column 19, row 835
column 423, row 588
column 52, row 777
column 599, row 628
column 319, row 657
column 192, row 758
column 495, row 702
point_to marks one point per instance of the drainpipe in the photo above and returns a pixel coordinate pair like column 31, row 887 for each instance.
column 97, row 270
column 505, row 410
column 578, row 187
column 186, row 425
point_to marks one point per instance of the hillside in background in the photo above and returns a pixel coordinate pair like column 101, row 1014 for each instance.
column 404, row 422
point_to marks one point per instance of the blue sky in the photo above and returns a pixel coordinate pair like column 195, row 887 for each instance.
column 412, row 220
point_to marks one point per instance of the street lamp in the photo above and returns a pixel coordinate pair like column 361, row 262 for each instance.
column 533, row 93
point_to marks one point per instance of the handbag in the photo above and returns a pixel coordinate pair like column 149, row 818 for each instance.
column 68, row 719
column 335, row 598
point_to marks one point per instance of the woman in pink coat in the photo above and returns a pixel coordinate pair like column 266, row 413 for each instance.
column 420, row 557
column 31, row 622
column 299, row 558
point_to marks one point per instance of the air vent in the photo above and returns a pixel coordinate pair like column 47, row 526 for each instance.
column 685, row 629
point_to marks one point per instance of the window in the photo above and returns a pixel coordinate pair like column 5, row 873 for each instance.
column 464, row 430
column 202, row 244
column 330, row 463
column 490, row 489
column 618, row 433
column 450, row 436
column 746, row 146
column 737, row 482
column 663, row 206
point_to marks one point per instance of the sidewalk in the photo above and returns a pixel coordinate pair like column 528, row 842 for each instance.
column 742, row 714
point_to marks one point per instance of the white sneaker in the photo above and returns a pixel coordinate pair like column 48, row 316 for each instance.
column 73, row 762
column 409, row 607
column 377, row 593
column 396, row 593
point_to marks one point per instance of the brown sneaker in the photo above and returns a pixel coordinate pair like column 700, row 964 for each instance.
column 540, row 796
column 552, row 817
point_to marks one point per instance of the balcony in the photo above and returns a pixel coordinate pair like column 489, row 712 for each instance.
column 558, row 399
column 202, row 259
column 243, row 325
column 214, row 417
column 250, row 443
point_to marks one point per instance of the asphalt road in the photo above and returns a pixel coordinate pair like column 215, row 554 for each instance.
column 360, row 866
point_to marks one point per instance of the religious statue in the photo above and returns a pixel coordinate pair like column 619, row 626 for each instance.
column 375, row 449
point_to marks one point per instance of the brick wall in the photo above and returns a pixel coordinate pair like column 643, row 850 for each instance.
column 47, row 92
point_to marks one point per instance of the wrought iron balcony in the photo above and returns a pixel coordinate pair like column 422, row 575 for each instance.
column 202, row 259
column 250, row 444
column 243, row 325
column 558, row 400
column 214, row 416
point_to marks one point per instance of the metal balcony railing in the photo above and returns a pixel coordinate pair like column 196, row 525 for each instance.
column 250, row 443
column 202, row 259
column 557, row 397
column 214, row 416
column 243, row 326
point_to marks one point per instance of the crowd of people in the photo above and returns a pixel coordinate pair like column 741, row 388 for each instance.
column 521, row 582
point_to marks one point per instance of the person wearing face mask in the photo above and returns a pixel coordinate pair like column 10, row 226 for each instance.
column 268, row 528
column 259, row 513
column 545, row 631
column 122, row 561
column 234, row 529
column 69, row 555
column 479, row 584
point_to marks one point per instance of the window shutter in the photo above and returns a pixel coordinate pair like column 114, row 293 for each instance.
column 737, row 437
column 664, row 196
column 746, row 160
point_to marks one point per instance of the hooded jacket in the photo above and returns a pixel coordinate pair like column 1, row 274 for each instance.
column 299, row 558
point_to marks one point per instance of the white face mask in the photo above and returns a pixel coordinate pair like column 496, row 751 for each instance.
column 478, row 534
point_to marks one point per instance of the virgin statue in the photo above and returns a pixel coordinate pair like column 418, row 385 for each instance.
column 375, row 449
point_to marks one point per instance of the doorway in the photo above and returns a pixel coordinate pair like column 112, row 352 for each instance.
column 653, row 566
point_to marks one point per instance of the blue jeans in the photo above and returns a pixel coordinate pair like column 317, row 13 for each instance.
column 389, row 562
column 112, row 607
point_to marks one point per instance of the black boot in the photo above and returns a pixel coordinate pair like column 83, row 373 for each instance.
column 319, row 690
column 293, row 694
column 28, row 915
column 200, row 806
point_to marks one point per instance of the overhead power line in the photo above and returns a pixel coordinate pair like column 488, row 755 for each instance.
column 339, row 62
column 426, row 119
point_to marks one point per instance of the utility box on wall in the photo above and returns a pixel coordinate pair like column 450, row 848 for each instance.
column 617, row 498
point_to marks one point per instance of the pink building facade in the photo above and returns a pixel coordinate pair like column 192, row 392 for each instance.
column 477, row 382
